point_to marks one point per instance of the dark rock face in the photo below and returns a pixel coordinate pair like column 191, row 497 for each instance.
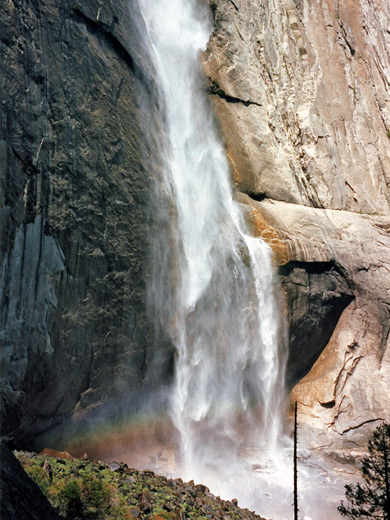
column 20, row 497
column 75, row 173
column 316, row 294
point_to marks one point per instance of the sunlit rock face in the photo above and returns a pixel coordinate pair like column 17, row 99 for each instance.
column 301, row 91
column 75, row 176
column 348, row 386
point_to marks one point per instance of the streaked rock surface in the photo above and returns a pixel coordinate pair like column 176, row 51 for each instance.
column 302, row 94
column 75, row 173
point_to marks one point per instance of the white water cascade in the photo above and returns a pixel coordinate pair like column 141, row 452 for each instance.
column 220, row 308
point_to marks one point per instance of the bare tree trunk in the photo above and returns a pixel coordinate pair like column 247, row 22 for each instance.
column 295, row 465
column 386, row 461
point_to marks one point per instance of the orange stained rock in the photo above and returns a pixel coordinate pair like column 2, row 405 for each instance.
column 260, row 228
column 54, row 453
column 236, row 173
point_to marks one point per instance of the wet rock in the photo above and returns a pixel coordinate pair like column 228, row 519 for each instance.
column 317, row 294
column 73, row 243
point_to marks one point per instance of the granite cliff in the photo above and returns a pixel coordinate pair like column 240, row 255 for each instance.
column 75, row 179
column 301, row 91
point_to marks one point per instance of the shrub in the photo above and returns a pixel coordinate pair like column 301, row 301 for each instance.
column 70, row 500
column 372, row 498
column 96, row 498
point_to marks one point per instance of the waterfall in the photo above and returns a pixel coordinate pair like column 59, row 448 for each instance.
column 213, row 285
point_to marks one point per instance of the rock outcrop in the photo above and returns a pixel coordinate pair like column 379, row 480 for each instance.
column 75, row 172
column 302, row 93
column 339, row 291
column 20, row 497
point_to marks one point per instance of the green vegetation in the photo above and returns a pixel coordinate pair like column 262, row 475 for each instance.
column 78, row 489
column 81, row 489
column 372, row 498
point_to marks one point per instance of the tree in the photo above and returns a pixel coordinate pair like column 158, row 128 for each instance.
column 371, row 499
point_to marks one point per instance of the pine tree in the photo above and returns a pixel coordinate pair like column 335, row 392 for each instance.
column 371, row 499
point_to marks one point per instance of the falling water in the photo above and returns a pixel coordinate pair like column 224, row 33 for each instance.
column 213, row 283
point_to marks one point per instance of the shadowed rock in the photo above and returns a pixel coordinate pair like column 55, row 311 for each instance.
column 20, row 497
column 76, row 97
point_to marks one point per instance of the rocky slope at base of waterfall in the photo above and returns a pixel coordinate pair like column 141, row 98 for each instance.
column 88, row 489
